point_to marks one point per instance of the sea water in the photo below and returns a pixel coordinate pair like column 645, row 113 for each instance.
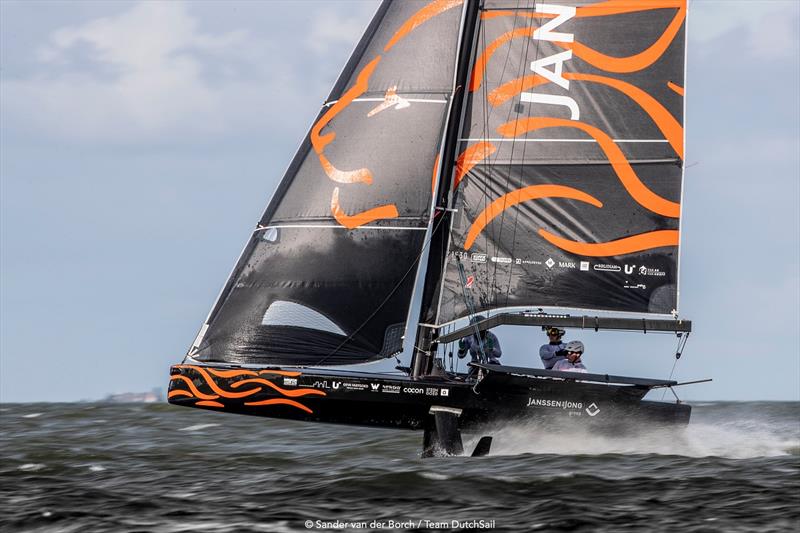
column 85, row 467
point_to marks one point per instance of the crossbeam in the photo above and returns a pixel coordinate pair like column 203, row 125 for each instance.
column 596, row 323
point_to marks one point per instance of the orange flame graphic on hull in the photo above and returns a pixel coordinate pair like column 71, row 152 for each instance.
column 211, row 400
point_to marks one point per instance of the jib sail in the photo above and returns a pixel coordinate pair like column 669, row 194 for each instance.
column 327, row 276
column 568, row 173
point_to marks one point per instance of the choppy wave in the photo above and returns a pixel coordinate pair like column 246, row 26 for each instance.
column 168, row 469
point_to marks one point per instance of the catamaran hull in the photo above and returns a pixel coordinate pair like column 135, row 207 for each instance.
column 405, row 403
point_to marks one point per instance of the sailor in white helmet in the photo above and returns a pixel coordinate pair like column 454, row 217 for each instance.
column 573, row 362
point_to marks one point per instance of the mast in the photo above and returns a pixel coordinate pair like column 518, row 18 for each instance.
column 424, row 346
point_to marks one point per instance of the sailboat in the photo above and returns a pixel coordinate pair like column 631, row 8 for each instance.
column 513, row 158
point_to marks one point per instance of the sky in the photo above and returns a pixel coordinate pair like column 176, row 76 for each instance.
column 138, row 147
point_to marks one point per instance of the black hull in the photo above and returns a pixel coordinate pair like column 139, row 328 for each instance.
column 403, row 403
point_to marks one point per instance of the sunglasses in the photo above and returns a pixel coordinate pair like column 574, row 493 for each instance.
column 576, row 353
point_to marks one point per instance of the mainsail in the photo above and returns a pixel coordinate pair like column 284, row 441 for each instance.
column 569, row 168
column 327, row 276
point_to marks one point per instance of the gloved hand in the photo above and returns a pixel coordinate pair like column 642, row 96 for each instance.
column 488, row 345
column 462, row 348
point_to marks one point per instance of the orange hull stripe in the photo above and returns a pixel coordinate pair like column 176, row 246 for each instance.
column 283, row 401
column 362, row 175
column 179, row 392
column 280, row 373
column 480, row 64
column 319, row 142
column 364, row 217
column 532, row 192
column 638, row 191
column 231, row 373
column 426, row 13
column 210, row 404
column 627, row 245
column 635, row 62
column 216, row 388
column 677, row 88
column 292, row 393
column 195, row 392
column 470, row 157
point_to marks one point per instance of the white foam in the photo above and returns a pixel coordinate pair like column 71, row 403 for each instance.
column 198, row 427
column 31, row 467
column 741, row 440
column 96, row 468
column 434, row 476
column 32, row 415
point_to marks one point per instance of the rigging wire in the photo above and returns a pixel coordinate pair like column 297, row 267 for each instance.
column 682, row 338
column 391, row 293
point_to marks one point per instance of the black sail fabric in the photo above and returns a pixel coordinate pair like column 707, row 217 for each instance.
column 327, row 276
column 569, row 167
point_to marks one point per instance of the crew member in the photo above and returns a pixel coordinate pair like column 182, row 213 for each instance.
column 553, row 352
column 573, row 361
column 489, row 341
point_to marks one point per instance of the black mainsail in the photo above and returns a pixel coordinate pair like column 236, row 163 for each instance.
column 327, row 276
column 568, row 173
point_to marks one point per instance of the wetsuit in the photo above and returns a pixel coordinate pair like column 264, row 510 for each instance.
column 491, row 347
column 565, row 366
column 552, row 353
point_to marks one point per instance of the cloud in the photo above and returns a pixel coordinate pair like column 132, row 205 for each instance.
column 147, row 74
column 769, row 27
column 331, row 28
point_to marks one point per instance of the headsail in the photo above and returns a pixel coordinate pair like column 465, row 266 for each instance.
column 569, row 169
column 327, row 276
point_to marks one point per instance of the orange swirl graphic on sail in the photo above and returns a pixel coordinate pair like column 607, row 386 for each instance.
column 635, row 62
column 433, row 176
column 208, row 403
column 626, row 245
column 281, row 401
column 480, row 63
column 510, row 89
column 195, row 392
column 665, row 122
column 470, row 157
column 638, row 190
column 600, row 9
column 532, row 192
column 597, row 59
column 290, row 393
column 364, row 217
column 677, row 88
column 436, row 7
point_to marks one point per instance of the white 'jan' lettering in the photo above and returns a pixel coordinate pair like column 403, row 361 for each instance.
column 539, row 66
